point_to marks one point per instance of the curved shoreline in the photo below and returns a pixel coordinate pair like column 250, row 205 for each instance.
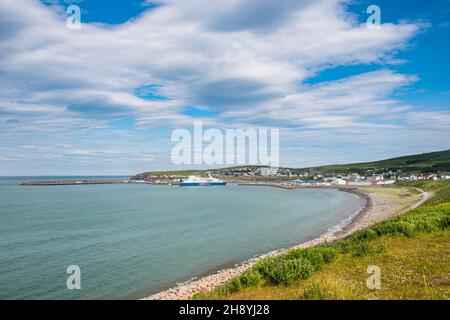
column 369, row 203
column 206, row 283
column 376, row 209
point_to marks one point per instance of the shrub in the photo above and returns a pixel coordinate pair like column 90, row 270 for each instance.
column 406, row 228
column 390, row 227
column 316, row 292
column 251, row 278
column 329, row 254
column 365, row 234
column 361, row 249
column 284, row 271
column 316, row 255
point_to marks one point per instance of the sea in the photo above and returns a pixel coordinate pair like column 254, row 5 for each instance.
column 129, row 241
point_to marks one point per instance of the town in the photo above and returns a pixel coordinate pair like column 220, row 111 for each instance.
column 426, row 166
column 299, row 177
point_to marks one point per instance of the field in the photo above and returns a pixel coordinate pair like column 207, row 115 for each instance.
column 441, row 189
column 403, row 196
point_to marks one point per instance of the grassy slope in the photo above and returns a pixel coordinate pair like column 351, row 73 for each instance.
column 403, row 196
column 415, row 268
column 434, row 161
column 441, row 189
column 413, row 252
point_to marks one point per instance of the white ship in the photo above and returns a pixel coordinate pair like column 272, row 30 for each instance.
column 194, row 181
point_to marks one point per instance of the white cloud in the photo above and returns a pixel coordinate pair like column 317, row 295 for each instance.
column 243, row 59
column 438, row 120
column 178, row 47
column 337, row 103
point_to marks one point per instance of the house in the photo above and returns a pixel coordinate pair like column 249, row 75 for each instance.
column 268, row 171
column 339, row 181
column 378, row 177
column 355, row 176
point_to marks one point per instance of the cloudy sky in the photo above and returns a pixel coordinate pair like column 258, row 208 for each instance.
column 104, row 99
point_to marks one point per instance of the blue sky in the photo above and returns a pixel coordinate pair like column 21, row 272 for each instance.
column 105, row 99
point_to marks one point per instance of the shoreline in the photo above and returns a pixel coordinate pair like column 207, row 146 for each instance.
column 355, row 218
column 375, row 209
column 185, row 290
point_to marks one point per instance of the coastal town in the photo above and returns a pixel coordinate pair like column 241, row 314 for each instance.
column 422, row 167
column 295, row 177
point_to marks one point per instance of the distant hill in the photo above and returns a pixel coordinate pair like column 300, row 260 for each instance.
column 145, row 175
column 425, row 162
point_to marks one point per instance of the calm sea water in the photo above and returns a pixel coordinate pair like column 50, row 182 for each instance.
column 134, row 240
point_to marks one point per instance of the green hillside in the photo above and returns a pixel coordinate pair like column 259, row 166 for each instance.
column 425, row 162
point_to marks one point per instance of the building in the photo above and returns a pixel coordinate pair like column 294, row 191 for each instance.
column 268, row 171
column 303, row 183
column 386, row 182
column 378, row 177
column 339, row 182
column 360, row 183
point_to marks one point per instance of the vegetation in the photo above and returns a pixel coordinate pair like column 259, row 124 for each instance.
column 411, row 268
column 426, row 162
column 402, row 196
column 441, row 189
column 413, row 250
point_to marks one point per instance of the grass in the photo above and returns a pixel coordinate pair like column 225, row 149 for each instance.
column 405, row 192
column 440, row 188
column 412, row 250
column 404, row 196
column 411, row 268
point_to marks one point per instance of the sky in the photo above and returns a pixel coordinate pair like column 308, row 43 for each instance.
column 104, row 99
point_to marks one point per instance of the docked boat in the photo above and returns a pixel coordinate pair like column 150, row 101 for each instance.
column 194, row 181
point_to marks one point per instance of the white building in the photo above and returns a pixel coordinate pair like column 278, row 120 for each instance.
column 355, row 176
column 270, row 171
column 339, row 181
column 387, row 182
column 360, row 183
